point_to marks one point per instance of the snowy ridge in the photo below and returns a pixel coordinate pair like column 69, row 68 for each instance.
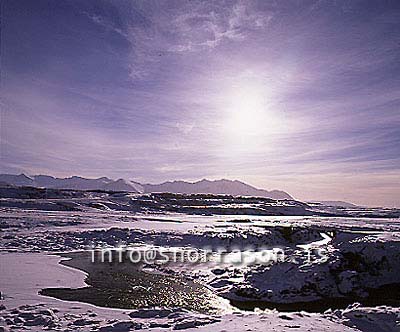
column 225, row 187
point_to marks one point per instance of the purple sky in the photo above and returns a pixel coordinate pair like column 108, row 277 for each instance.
column 302, row 96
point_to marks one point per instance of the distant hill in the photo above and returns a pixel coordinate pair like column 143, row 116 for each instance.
column 336, row 203
column 226, row 187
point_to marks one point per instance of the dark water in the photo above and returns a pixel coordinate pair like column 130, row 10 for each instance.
column 385, row 295
column 126, row 285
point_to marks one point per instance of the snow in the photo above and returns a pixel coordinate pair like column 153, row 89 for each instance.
column 360, row 253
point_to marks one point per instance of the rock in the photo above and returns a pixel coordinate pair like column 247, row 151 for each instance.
column 121, row 327
column 39, row 320
column 83, row 322
column 47, row 312
column 185, row 325
column 348, row 281
column 192, row 323
column 248, row 291
column 8, row 321
column 153, row 325
column 220, row 283
column 18, row 320
column 27, row 315
column 218, row 271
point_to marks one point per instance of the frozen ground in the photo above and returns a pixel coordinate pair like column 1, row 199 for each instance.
column 312, row 290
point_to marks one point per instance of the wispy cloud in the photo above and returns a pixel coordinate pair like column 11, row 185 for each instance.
column 193, row 27
column 107, row 24
column 205, row 26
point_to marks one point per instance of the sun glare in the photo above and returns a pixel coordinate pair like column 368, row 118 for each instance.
column 249, row 118
column 247, row 111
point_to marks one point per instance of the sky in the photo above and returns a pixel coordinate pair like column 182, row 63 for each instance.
column 302, row 96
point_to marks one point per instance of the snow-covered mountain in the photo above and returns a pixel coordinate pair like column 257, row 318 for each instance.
column 17, row 180
column 227, row 187
column 124, row 185
column 74, row 182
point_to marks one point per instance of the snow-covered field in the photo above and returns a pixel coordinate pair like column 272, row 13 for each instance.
column 337, row 273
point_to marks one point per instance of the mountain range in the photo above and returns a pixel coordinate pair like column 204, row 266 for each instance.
column 227, row 187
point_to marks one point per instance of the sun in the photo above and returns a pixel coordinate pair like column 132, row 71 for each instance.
column 252, row 119
column 247, row 111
